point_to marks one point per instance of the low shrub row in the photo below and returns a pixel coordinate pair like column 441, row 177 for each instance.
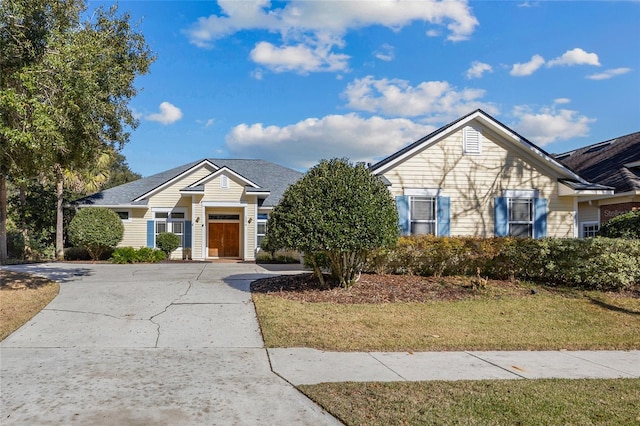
column 81, row 253
column 141, row 255
column 594, row 263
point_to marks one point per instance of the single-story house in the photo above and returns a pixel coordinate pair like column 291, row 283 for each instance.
column 614, row 163
column 477, row 177
column 219, row 208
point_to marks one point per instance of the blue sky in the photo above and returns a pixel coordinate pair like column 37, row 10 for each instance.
column 300, row 81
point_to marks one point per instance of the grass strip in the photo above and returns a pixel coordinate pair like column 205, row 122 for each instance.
column 550, row 321
column 495, row 402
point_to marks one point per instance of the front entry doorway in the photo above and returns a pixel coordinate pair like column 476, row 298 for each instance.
column 224, row 239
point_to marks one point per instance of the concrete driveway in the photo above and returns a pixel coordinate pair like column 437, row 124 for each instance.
column 163, row 344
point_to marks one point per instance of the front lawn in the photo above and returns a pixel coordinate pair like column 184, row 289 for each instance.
column 491, row 402
column 502, row 316
column 22, row 296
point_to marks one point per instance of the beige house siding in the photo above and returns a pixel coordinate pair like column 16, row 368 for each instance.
column 135, row 230
column 473, row 181
column 588, row 213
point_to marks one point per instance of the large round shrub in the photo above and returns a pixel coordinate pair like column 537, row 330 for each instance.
column 623, row 226
column 97, row 229
column 167, row 242
column 335, row 214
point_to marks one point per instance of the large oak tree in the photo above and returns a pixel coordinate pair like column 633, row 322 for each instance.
column 65, row 86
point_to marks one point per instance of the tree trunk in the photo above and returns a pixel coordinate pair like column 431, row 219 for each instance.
column 23, row 225
column 3, row 219
column 59, row 216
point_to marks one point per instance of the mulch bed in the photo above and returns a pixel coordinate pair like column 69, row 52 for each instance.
column 372, row 288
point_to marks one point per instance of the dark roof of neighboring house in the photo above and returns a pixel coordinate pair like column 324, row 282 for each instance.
column 269, row 176
column 613, row 163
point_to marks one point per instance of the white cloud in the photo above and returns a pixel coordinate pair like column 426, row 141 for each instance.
column 385, row 53
column 550, row 125
column 527, row 68
column 310, row 140
column 168, row 114
column 300, row 58
column 478, row 69
column 559, row 101
column 300, row 16
column 315, row 28
column 575, row 56
column 436, row 101
column 257, row 73
column 608, row 74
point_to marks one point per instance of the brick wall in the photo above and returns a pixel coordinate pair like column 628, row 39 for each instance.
column 612, row 210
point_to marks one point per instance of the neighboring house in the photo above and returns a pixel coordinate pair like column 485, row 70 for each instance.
column 219, row 208
column 477, row 177
column 614, row 163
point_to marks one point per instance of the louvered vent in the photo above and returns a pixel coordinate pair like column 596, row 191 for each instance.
column 472, row 141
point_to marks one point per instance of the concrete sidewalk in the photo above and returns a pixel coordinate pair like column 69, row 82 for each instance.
column 310, row 366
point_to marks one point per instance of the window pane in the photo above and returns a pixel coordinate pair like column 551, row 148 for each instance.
column 123, row 215
column 422, row 209
column 161, row 227
column 177, row 215
column 260, row 238
column 520, row 210
column 520, row 230
column 421, row 228
column 162, row 215
column 177, row 227
column 262, row 228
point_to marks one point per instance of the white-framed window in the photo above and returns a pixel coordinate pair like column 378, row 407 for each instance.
column 124, row 215
column 261, row 227
column 170, row 221
column 521, row 217
column 423, row 215
column 589, row 229
column 471, row 141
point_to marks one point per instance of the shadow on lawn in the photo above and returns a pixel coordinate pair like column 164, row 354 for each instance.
column 611, row 307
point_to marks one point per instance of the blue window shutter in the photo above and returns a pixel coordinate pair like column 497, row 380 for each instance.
column 444, row 216
column 187, row 234
column 540, row 218
column 402, row 204
column 150, row 233
column 501, row 217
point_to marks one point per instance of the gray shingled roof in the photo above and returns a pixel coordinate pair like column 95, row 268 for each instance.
column 604, row 162
column 269, row 176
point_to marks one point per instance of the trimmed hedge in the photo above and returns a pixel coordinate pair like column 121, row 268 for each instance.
column 623, row 226
column 141, row 255
column 593, row 263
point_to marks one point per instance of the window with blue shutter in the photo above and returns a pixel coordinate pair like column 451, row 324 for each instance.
column 540, row 218
column 501, row 217
column 187, row 234
column 404, row 220
column 151, row 233
column 444, row 216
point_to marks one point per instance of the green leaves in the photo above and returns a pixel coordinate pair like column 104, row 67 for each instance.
column 96, row 229
column 339, row 209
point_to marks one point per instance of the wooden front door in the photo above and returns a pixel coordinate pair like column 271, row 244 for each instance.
column 224, row 239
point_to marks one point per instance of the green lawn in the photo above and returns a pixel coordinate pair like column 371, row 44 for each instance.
column 495, row 402
column 548, row 320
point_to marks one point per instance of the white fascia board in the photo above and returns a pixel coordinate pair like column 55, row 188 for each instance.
column 114, row 206
column 170, row 181
column 222, row 170
column 565, row 191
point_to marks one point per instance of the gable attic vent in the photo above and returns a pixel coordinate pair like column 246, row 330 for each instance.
column 471, row 141
column 224, row 181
